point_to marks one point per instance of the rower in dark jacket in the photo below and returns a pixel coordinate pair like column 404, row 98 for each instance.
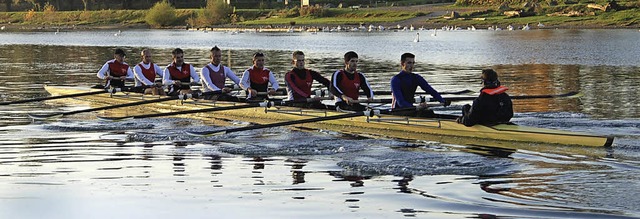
column 492, row 107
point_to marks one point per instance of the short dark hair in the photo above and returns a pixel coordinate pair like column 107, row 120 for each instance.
column 258, row 54
column 297, row 53
column 177, row 51
column 490, row 78
column 350, row 55
column 404, row 56
column 119, row 52
column 215, row 48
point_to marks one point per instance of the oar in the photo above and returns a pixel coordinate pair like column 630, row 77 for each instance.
column 55, row 97
column 572, row 94
column 214, row 109
column 278, row 124
column 177, row 97
column 266, row 104
column 441, row 93
column 58, row 115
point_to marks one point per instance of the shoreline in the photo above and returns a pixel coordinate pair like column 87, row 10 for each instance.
column 395, row 26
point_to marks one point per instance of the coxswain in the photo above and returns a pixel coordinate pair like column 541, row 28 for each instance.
column 300, row 79
column 493, row 106
column 256, row 80
column 346, row 84
column 115, row 71
column 404, row 85
column 179, row 75
column 146, row 73
column 214, row 75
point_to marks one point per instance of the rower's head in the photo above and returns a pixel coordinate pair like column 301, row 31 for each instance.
column 178, row 56
column 119, row 55
column 407, row 61
column 146, row 56
column 258, row 60
column 298, row 60
column 216, row 55
column 490, row 78
column 351, row 61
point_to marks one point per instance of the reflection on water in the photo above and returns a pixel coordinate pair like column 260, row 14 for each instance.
column 77, row 167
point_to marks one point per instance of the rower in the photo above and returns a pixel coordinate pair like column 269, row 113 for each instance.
column 493, row 106
column 404, row 85
column 179, row 75
column 145, row 74
column 256, row 79
column 115, row 71
column 300, row 80
column 213, row 76
column 346, row 84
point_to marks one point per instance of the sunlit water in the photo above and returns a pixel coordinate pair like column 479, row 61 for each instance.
column 80, row 167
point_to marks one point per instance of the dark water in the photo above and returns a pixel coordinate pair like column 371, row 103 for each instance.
column 80, row 167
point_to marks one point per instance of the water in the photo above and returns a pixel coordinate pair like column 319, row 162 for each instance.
column 80, row 167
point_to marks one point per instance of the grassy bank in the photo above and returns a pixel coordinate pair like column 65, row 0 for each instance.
column 424, row 15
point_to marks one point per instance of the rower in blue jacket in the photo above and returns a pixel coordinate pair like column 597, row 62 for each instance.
column 404, row 85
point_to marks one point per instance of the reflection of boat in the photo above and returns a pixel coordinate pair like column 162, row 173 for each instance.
column 442, row 130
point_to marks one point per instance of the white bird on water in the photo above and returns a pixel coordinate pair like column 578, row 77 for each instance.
column 2, row 28
column 417, row 39
column 118, row 33
column 435, row 32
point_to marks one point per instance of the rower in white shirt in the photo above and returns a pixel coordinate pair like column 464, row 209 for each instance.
column 257, row 78
column 214, row 75
column 145, row 74
column 179, row 75
column 115, row 71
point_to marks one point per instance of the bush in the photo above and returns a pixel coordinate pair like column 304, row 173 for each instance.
column 161, row 14
column 216, row 12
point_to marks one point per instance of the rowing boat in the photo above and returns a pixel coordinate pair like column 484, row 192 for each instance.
column 441, row 130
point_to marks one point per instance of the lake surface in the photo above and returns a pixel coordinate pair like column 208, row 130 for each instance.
column 80, row 167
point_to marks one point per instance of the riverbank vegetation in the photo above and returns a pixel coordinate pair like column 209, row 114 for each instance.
column 553, row 13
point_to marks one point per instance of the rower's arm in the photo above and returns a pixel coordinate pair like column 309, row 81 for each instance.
column 159, row 71
column 231, row 75
column 102, row 73
column 319, row 78
column 166, row 77
column 273, row 81
column 244, row 81
column 129, row 74
column 365, row 86
column 427, row 88
column 335, row 90
column 194, row 75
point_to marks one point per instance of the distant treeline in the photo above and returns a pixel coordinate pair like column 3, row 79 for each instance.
column 75, row 5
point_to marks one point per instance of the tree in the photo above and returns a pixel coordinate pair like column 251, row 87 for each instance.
column 161, row 14
column 216, row 12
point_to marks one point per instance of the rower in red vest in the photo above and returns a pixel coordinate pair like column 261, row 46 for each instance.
column 346, row 84
column 257, row 78
column 146, row 73
column 493, row 106
column 300, row 79
column 214, row 76
column 179, row 75
column 115, row 71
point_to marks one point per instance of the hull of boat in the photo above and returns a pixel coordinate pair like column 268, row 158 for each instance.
column 446, row 131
